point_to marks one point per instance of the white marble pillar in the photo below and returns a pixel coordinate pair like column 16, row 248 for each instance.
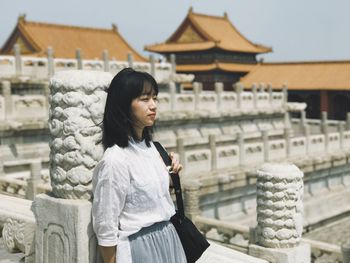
column 130, row 60
column 212, row 145
column 255, row 95
column 191, row 199
column 18, row 59
column 285, row 96
column 172, row 92
column 173, row 64
column 219, row 88
column 180, row 148
column 240, row 142
column 79, row 58
column 348, row 121
column 324, row 127
column 270, row 91
column 238, row 87
column 153, row 65
column 34, row 179
column 64, row 232
column 280, row 215
column 341, row 128
column 8, row 103
column 196, row 91
column 287, row 133
column 105, row 57
column 50, row 62
column 265, row 139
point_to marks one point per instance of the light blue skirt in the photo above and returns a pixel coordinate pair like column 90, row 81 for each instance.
column 158, row 243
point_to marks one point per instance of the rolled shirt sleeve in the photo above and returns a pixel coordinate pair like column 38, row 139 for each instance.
column 111, row 183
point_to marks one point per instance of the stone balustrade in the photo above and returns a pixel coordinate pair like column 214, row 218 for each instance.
column 17, row 223
column 25, row 178
column 237, row 237
column 198, row 156
column 36, row 68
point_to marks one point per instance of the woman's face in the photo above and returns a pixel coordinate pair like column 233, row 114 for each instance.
column 143, row 110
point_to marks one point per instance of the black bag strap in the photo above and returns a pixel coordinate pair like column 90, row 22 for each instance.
column 174, row 177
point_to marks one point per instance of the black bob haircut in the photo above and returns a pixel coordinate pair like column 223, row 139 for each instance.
column 127, row 85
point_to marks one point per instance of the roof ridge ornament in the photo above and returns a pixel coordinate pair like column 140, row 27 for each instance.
column 22, row 17
column 114, row 27
column 190, row 10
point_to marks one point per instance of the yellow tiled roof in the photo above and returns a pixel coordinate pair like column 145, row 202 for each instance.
column 215, row 32
column 229, row 67
column 323, row 75
column 66, row 39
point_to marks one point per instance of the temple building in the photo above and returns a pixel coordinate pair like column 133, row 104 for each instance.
column 34, row 39
column 211, row 48
column 323, row 85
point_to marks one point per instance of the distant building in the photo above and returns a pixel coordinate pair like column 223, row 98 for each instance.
column 211, row 48
column 34, row 39
column 323, row 85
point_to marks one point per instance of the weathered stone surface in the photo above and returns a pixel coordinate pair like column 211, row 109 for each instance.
column 64, row 231
column 298, row 254
column 279, row 205
column 220, row 254
column 76, row 111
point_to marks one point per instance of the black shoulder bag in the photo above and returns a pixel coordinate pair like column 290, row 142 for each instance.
column 193, row 242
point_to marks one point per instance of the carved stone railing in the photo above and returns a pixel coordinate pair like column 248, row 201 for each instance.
column 42, row 68
column 228, row 233
column 24, row 178
column 237, row 237
column 18, row 226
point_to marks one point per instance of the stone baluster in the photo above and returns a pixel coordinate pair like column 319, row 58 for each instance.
column 173, row 64
column 18, row 59
column 212, row 144
column 255, row 95
column 2, row 172
column 219, row 88
column 191, row 200
column 105, row 58
column 8, row 103
column 303, row 121
column 307, row 139
column 240, row 142
column 46, row 89
column 287, row 134
column 285, row 96
column 153, row 65
column 238, row 87
column 265, row 139
column 79, row 59
column 34, row 180
column 196, row 92
column 345, row 250
column 50, row 62
column 63, row 218
column 270, row 91
column 348, row 121
column 180, row 148
column 287, row 123
column 172, row 92
column 324, row 127
column 261, row 87
column 279, row 227
column 130, row 60
column 341, row 128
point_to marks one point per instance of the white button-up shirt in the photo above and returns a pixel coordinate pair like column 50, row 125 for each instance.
column 131, row 191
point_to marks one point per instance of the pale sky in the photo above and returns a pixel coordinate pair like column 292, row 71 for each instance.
column 297, row 30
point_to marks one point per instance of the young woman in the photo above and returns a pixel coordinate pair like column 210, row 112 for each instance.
column 132, row 205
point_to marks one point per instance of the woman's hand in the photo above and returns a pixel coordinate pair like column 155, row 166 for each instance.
column 176, row 167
